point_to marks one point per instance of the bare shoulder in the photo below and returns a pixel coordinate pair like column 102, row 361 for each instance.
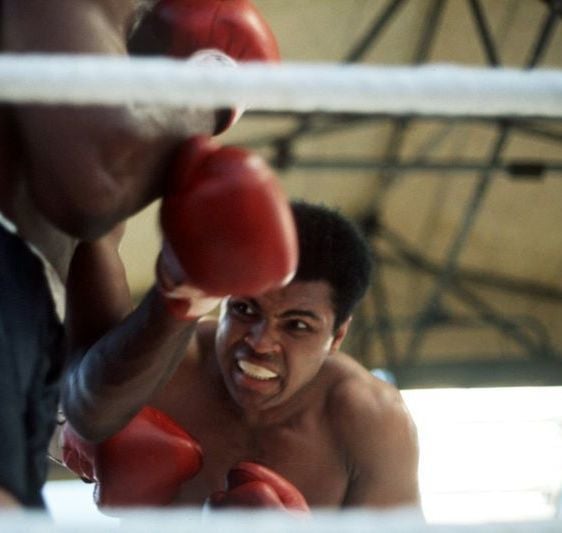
column 357, row 401
column 376, row 436
column 352, row 386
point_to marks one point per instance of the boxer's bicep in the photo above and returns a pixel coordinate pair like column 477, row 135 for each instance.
column 98, row 295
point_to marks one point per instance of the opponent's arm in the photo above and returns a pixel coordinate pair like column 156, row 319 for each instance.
column 380, row 440
column 90, row 167
column 104, row 164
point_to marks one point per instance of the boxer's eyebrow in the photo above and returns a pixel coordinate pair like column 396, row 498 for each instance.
column 293, row 313
column 289, row 313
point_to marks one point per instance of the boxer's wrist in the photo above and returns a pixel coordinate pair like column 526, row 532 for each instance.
column 181, row 300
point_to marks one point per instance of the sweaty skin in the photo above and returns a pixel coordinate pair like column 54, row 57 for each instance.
column 301, row 407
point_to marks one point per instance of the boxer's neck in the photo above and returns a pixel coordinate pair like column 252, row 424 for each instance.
column 291, row 413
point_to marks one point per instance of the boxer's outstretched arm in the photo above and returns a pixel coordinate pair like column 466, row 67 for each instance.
column 118, row 358
column 205, row 217
column 380, row 440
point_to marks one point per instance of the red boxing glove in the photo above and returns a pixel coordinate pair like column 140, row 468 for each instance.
column 253, row 485
column 228, row 221
column 144, row 464
column 232, row 27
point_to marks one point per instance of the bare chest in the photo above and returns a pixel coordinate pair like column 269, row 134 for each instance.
column 305, row 453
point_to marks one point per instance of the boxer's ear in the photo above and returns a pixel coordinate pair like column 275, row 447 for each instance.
column 339, row 336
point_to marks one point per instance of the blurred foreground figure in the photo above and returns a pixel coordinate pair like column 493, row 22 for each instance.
column 69, row 178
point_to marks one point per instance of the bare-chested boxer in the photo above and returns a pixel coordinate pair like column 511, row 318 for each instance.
column 74, row 174
column 265, row 401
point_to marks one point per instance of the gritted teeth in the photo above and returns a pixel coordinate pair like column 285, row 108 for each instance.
column 256, row 371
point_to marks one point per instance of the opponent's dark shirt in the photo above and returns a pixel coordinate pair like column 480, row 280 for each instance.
column 31, row 360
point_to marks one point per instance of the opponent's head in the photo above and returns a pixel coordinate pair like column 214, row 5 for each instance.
column 332, row 249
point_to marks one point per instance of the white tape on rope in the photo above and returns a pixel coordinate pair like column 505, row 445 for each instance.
column 300, row 87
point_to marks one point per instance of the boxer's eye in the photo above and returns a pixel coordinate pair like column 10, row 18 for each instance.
column 297, row 325
column 242, row 308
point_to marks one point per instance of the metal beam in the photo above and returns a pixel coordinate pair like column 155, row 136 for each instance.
column 478, row 372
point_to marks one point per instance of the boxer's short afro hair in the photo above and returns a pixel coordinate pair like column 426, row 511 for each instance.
column 332, row 249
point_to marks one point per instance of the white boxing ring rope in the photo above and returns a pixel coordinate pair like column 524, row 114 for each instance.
column 428, row 90
column 436, row 89
column 192, row 521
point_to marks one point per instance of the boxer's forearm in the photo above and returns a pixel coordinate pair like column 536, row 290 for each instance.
column 119, row 373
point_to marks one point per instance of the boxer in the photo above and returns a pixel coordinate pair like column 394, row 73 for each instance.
column 170, row 456
column 284, row 419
